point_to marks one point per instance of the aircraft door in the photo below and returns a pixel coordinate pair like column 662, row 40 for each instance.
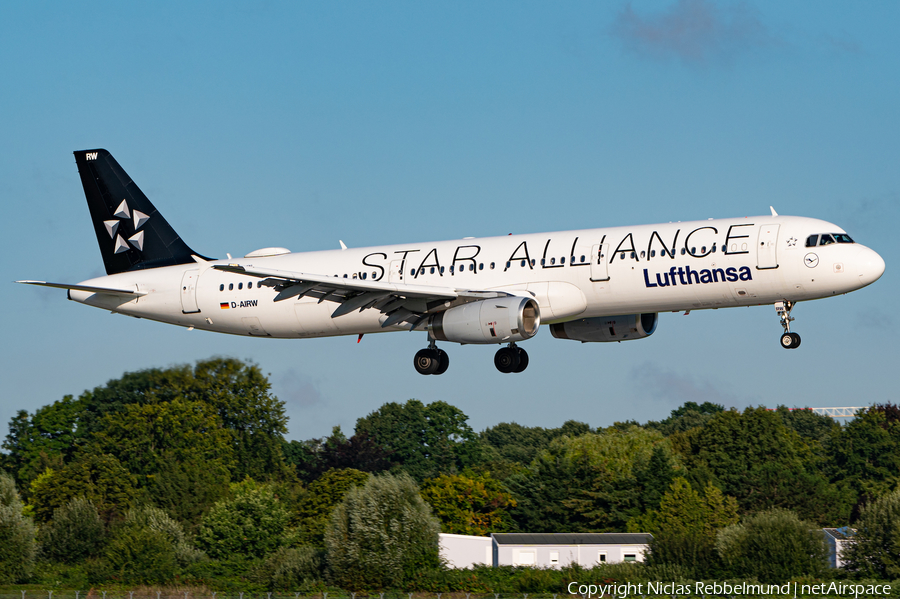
column 395, row 275
column 189, row 291
column 600, row 262
column 766, row 247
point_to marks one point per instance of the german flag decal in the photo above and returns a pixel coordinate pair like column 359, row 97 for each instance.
column 224, row 305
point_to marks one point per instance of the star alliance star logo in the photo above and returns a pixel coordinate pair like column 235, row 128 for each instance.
column 792, row 241
column 112, row 227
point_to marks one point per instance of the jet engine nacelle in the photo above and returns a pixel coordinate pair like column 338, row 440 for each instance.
column 500, row 320
column 606, row 328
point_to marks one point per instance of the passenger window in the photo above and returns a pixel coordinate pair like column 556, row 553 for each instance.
column 693, row 251
column 826, row 239
column 542, row 262
column 632, row 254
column 653, row 253
column 345, row 275
column 682, row 251
column 222, row 287
column 492, row 266
column 481, row 266
column 230, row 286
column 562, row 260
column 582, row 258
column 432, row 270
column 642, row 254
column 240, row 286
column 507, row 265
column 703, row 250
column 364, row 274
column 552, row 260
column 451, row 269
column 622, row 256
column 812, row 240
column 523, row 264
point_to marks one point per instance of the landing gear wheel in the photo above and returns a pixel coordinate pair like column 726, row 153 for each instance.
column 789, row 340
column 523, row 360
column 507, row 359
column 443, row 362
column 427, row 361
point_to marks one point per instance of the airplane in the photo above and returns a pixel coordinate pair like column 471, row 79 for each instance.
column 587, row 285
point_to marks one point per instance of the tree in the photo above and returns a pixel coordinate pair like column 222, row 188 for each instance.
column 313, row 457
column 469, row 505
column 516, row 443
column 187, row 489
column 381, row 534
column 591, row 483
column 140, row 555
column 866, row 453
column 98, row 478
column 158, row 521
column 688, row 416
column 75, row 533
column 875, row 550
column 291, row 568
column 685, row 526
column 758, row 460
column 425, row 440
column 773, row 546
column 17, row 535
column 45, row 440
column 144, row 437
column 323, row 494
column 252, row 523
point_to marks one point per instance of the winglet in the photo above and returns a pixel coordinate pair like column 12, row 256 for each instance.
column 343, row 246
column 773, row 211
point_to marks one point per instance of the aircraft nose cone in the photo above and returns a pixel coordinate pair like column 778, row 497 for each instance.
column 870, row 266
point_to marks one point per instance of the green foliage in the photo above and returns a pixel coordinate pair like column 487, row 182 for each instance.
column 139, row 555
column 156, row 520
column 97, row 477
column 591, row 483
column 291, row 568
column 516, row 443
column 381, row 534
column 75, row 533
column 425, row 440
column 17, row 535
column 314, row 457
column 866, row 453
column 773, row 547
column 251, row 523
column 187, row 489
column 142, row 437
column 688, row 416
column 469, row 505
column 685, row 527
column 44, row 440
column 758, row 460
column 314, row 508
column 875, row 551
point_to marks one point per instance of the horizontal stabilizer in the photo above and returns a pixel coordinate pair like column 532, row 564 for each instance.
column 87, row 288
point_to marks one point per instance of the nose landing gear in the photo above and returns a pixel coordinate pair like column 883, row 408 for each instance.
column 511, row 359
column 789, row 340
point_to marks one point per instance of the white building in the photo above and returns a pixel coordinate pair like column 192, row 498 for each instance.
column 557, row 550
column 837, row 540
column 465, row 551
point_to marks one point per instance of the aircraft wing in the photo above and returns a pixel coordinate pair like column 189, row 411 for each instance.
column 399, row 301
column 88, row 288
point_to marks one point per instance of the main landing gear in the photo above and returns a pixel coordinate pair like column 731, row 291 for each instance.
column 789, row 340
column 431, row 360
column 511, row 359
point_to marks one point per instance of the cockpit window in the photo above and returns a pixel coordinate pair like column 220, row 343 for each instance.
column 842, row 238
column 812, row 240
column 826, row 239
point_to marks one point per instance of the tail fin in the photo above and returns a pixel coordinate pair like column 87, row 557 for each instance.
column 132, row 234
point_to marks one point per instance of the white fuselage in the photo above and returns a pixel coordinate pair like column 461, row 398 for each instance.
column 716, row 264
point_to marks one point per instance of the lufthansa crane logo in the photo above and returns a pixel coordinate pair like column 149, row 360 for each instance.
column 123, row 213
column 811, row 260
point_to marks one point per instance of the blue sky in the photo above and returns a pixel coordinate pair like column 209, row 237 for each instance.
column 297, row 124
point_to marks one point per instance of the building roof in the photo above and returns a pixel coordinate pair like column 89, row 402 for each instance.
column 843, row 533
column 572, row 538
